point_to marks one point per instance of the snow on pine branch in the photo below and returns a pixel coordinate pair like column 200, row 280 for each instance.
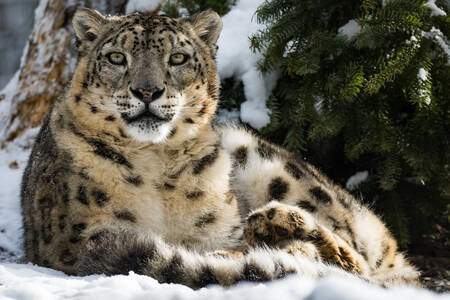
column 354, row 181
column 435, row 10
column 350, row 29
column 235, row 59
column 422, row 76
column 441, row 40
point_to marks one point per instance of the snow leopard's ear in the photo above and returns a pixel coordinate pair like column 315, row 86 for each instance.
column 87, row 24
column 207, row 25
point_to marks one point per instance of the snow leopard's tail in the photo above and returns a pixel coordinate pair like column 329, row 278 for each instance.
column 123, row 251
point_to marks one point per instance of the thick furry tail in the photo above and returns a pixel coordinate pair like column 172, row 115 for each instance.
column 123, row 251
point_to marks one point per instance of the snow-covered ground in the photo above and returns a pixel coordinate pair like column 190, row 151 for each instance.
column 31, row 282
column 12, row 163
column 26, row 281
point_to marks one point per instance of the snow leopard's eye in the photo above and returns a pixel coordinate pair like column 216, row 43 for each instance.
column 178, row 59
column 116, row 58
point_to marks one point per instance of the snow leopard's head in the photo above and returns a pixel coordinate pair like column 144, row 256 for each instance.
column 150, row 75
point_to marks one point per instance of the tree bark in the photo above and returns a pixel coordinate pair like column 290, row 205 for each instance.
column 46, row 66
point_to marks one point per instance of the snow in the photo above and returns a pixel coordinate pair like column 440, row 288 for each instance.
column 290, row 47
column 39, row 11
column 142, row 5
column 439, row 37
column 257, row 89
column 354, row 181
column 19, row 281
column 422, row 74
column 350, row 29
column 435, row 10
column 10, row 215
column 5, row 104
column 319, row 103
column 240, row 62
column 412, row 39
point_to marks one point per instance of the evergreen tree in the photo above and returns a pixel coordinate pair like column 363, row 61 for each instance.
column 365, row 86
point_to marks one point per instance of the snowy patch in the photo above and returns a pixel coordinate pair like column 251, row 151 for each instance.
column 39, row 11
column 412, row 39
column 32, row 282
column 235, row 59
column 319, row 103
column 13, row 161
column 350, row 29
column 5, row 104
column 439, row 37
column 142, row 5
column 289, row 48
column 435, row 10
column 354, row 181
column 422, row 75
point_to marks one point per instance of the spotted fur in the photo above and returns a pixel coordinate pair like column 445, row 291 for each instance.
column 127, row 174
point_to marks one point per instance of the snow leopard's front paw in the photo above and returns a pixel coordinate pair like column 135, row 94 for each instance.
column 277, row 222
column 280, row 225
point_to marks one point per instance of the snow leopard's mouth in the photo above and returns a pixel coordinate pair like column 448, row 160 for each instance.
column 146, row 116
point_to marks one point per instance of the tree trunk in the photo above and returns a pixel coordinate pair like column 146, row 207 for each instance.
column 46, row 66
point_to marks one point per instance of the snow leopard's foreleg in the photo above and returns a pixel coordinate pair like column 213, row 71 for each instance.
column 120, row 251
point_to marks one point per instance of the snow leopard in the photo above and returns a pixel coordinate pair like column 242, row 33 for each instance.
column 128, row 173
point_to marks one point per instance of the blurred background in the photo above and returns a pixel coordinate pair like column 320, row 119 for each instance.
column 16, row 21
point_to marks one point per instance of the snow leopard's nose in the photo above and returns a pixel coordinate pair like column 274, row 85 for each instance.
column 147, row 95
